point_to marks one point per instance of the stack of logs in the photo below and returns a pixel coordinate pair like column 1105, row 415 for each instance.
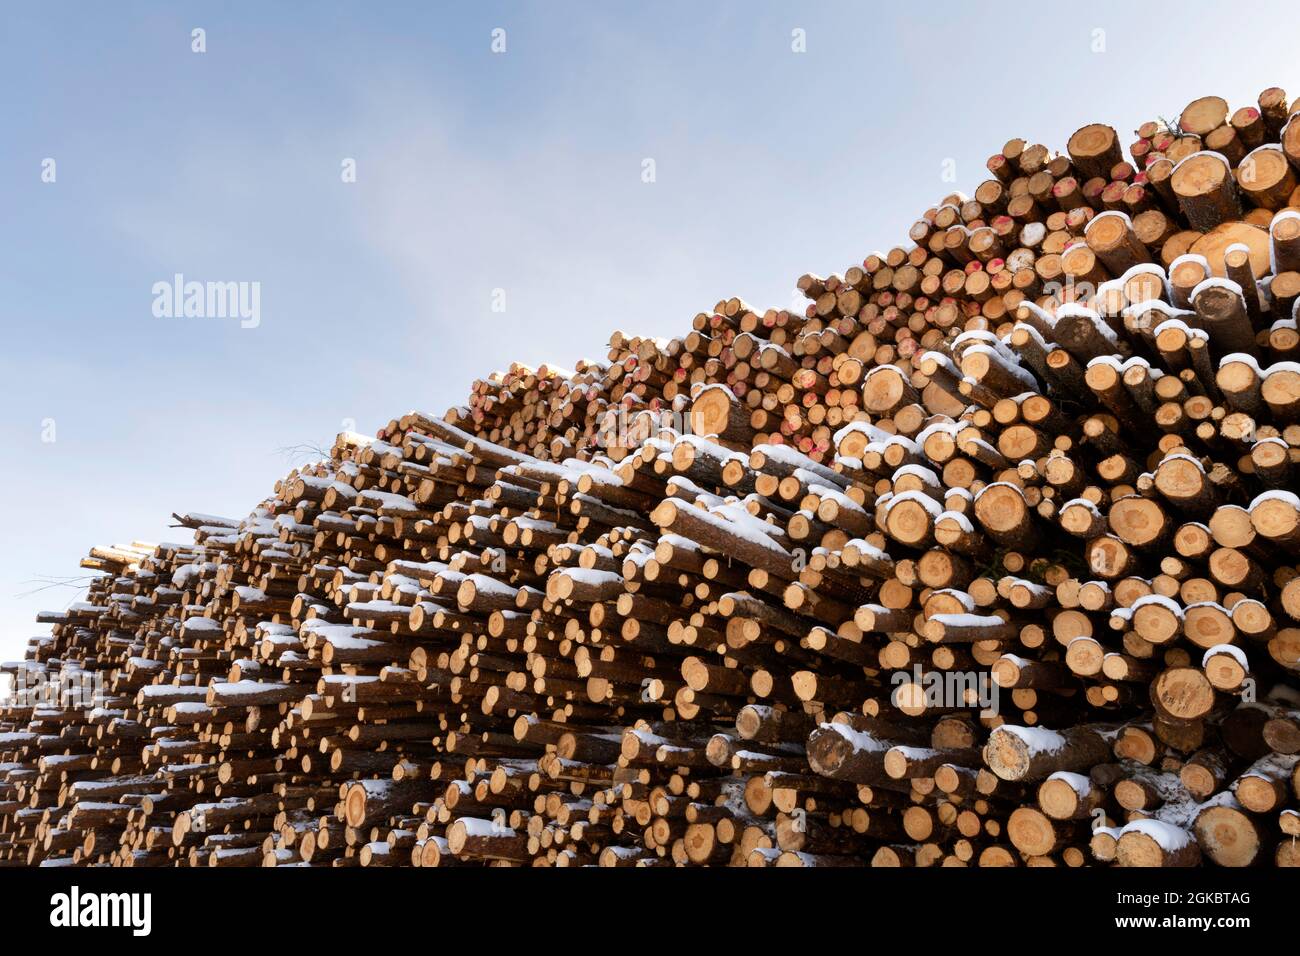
column 985, row 559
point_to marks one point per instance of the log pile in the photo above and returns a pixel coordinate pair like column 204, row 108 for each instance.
column 987, row 558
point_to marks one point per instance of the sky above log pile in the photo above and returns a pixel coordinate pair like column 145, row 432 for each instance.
column 421, row 198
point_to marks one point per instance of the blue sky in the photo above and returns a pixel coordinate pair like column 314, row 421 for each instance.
column 476, row 171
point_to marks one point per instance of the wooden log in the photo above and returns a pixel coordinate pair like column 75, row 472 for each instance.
column 1206, row 190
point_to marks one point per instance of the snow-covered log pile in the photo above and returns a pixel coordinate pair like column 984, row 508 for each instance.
column 989, row 557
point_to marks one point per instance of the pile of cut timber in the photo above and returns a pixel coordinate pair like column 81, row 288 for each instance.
column 987, row 558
